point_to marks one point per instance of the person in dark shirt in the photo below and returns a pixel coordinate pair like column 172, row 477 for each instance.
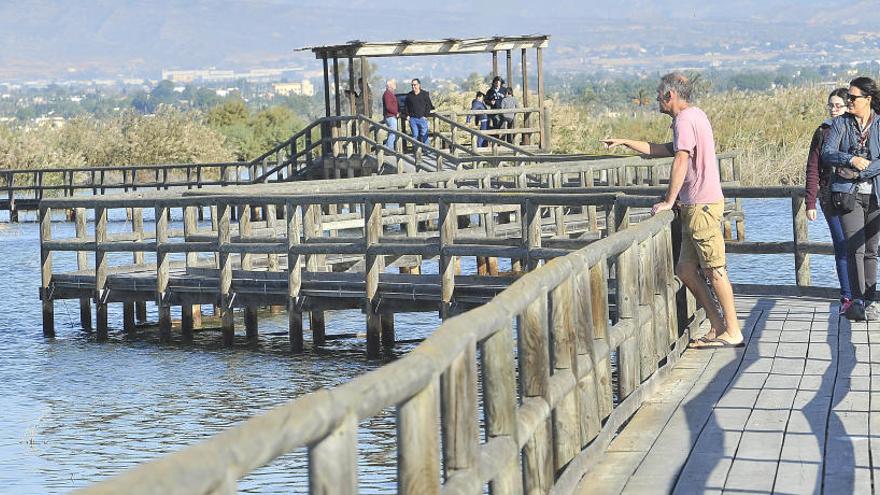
column 494, row 97
column 818, row 187
column 418, row 108
column 482, row 119
column 390, row 110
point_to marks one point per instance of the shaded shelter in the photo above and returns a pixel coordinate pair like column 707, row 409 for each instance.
column 362, row 50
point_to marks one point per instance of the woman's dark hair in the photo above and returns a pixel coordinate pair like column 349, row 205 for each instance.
column 868, row 88
column 480, row 94
column 840, row 93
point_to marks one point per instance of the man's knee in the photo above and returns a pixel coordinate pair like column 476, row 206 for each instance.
column 716, row 274
column 687, row 270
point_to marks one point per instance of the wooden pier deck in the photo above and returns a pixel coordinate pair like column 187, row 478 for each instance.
column 792, row 412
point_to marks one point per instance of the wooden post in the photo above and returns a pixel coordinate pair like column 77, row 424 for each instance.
column 499, row 406
column 293, row 214
column 527, row 137
column 374, row 266
column 388, row 336
column 509, row 56
column 327, row 85
column 418, row 445
column 128, row 316
column 312, row 229
column 458, row 387
column 333, row 461
column 336, row 85
column 224, row 236
column 100, row 273
column 365, row 90
column 531, row 228
column 534, row 375
column 545, row 125
column 244, row 231
column 494, row 63
column 351, row 88
column 799, row 224
column 82, row 263
column 601, row 357
column 163, row 264
column 188, row 311
column 137, row 226
column 448, row 223
column 628, row 362
column 566, row 423
column 46, row 273
column 588, row 400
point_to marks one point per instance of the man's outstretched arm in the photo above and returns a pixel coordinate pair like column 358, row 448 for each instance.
column 654, row 150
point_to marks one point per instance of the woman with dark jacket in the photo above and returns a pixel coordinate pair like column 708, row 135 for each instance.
column 853, row 148
column 818, row 187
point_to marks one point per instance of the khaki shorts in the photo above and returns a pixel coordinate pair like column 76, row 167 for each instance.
column 701, row 238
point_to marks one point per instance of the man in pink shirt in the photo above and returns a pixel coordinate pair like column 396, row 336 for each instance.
column 696, row 184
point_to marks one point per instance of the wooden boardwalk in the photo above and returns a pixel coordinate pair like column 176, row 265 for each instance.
column 792, row 412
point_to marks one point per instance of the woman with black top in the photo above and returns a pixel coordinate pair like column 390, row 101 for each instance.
column 818, row 182
column 853, row 148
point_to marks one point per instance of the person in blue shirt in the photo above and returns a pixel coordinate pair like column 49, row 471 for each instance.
column 483, row 119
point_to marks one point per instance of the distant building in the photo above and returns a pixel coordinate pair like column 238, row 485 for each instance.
column 302, row 88
column 202, row 75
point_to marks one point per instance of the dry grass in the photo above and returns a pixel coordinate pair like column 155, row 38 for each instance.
column 770, row 130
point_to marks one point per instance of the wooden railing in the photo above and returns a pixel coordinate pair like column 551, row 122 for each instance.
column 544, row 348
column 531, row 129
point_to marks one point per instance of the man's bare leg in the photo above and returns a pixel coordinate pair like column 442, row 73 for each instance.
column 724, row 292
column 692, row 276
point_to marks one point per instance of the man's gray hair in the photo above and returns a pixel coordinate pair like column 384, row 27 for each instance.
column 678, row 82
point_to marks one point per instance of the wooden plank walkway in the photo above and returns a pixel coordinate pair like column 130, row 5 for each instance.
column 792, row 412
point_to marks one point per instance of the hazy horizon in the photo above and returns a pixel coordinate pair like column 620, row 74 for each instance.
column 51, row 38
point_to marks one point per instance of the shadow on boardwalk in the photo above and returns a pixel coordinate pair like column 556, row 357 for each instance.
column 768, row 421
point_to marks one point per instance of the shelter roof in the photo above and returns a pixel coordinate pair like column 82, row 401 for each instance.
column 448, row 46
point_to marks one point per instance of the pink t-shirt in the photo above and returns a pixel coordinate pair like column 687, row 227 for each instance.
column 692, row 132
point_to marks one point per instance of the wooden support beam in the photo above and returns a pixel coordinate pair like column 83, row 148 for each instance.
column 137, row 226
column 534, row 373
column 101, row 274
column 333, row 461
column 336, row 94
column 499, row 396
column 374, row 265
column 448, row 223
column 418, row 444
column 388, row 337
column 526, row 139
column 509, row 54
column 318, row 326
column 128, row 317
column 293, row 214
column 224, row 236
column 163, row 266
column 458, row 388
column 48, row 305
column 82, row 263
column 327, row 86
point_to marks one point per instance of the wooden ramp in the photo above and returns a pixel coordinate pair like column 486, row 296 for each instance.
column 792, row 412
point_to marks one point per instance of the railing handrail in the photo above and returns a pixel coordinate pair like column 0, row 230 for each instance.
column 491, row 139
column 214, row 464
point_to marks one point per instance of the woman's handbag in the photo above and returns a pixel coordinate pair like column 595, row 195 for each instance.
column 843, row 194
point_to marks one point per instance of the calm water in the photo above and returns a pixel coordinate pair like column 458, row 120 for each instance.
column 75, row 411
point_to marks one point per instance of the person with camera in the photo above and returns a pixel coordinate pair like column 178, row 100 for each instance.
column 853, row 148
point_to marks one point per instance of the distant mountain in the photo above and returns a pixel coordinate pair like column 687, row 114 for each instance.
column 56, row 38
